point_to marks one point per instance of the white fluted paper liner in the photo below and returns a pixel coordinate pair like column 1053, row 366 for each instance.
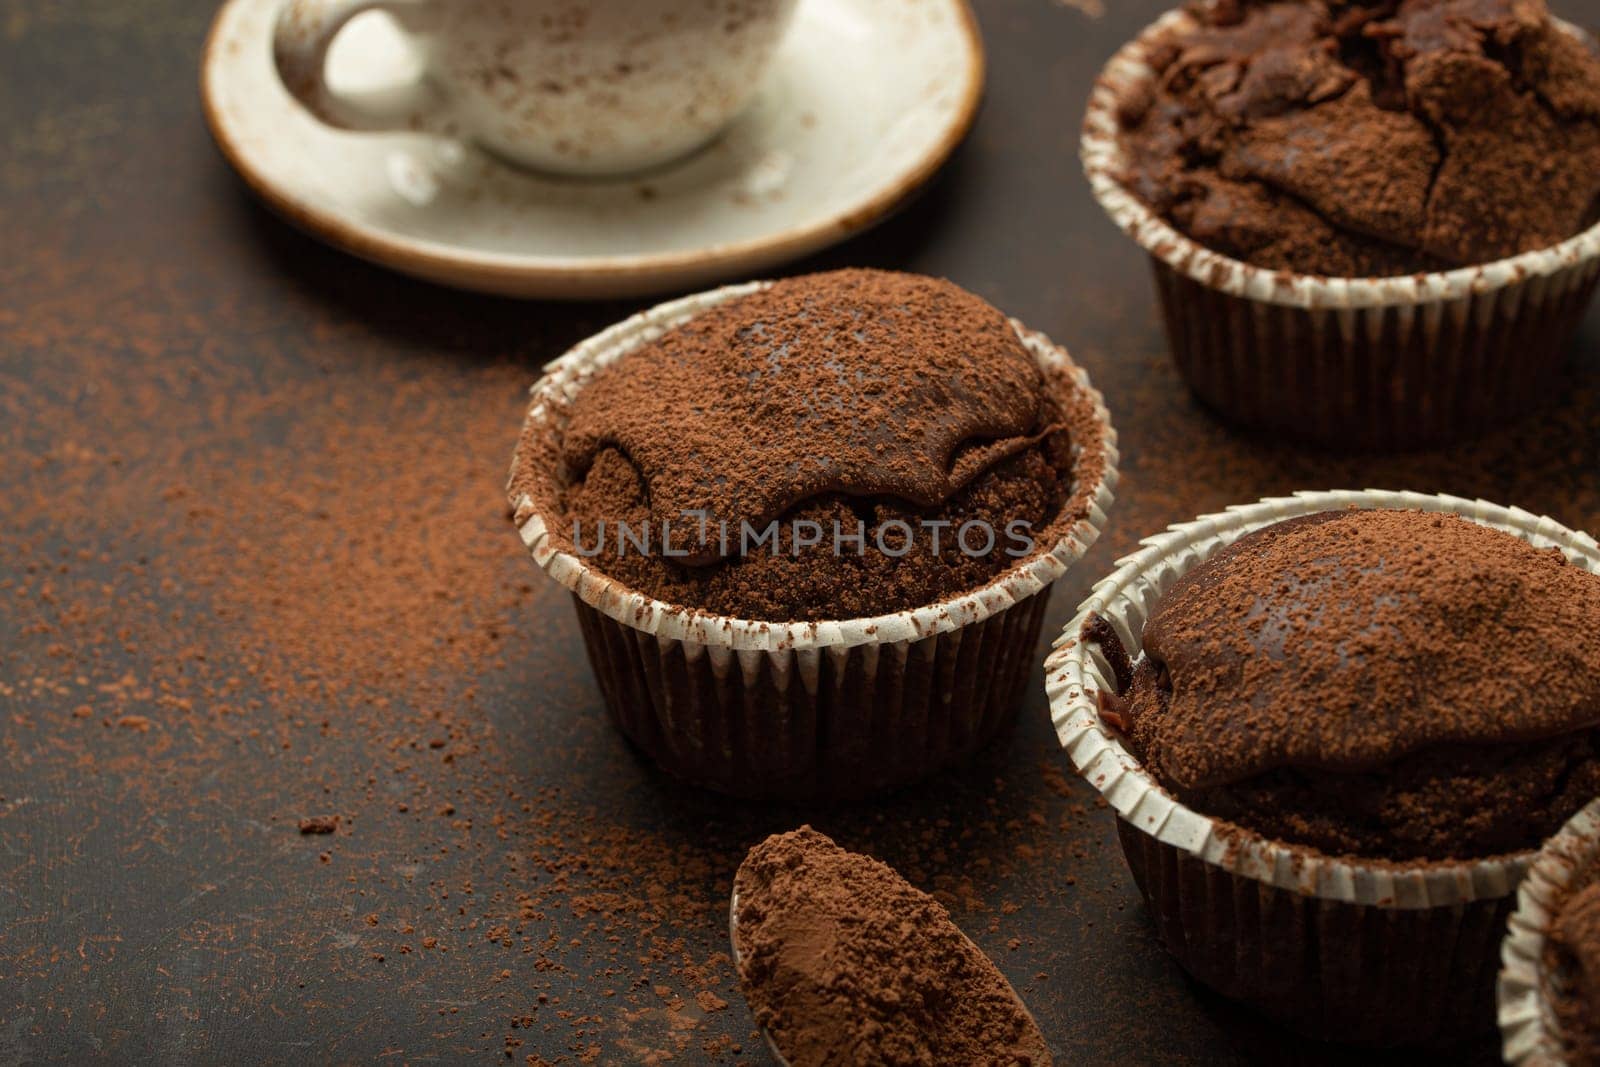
column 1104, row 162
column 1343, row 949
column 1530, row 1034
column 1076, row 672
column 763, row 659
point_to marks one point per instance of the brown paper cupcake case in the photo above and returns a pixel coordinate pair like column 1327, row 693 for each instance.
column 794, row 710
column 1358, row 363
column 1337, row 948
column 1530, row 1033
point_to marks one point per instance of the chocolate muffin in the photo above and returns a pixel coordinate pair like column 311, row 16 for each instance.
column 1358, row 138
column 810, row 527
column 1394, row 685
column 1572, row 962
column 836, row 446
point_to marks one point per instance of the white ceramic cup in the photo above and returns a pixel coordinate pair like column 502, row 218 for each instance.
column 582, row 87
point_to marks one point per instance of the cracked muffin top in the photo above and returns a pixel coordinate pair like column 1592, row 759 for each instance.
column 1367, row 138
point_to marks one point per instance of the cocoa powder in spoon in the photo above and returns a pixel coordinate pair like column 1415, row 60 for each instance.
column 845, row 962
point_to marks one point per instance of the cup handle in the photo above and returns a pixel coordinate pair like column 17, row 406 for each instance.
column 304, row 33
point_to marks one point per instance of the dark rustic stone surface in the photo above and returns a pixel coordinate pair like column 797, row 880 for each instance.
column 157, row 900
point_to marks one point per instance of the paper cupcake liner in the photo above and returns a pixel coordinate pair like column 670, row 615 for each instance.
column 1358, row 363
column 1530, row 1033
column 1341, row 949
column 815, row 709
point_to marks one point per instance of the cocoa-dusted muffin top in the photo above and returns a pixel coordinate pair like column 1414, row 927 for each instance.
column 1401, row 684
column 1572, row 962
column 1361, row 138
column 870, row 411
column 844, row 962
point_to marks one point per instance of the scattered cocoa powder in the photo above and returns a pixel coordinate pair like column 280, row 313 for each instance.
column 288, row 571
column 159, row 326
column 843, row 961
column 278, row 586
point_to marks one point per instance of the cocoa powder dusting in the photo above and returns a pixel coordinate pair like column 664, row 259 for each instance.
column 862, row 382
column 843, row 961
column 1370, row 137
column 1399, row 684
column 883, row 409
column 1572, row 967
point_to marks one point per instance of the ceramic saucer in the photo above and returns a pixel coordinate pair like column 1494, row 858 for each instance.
column 864, row 101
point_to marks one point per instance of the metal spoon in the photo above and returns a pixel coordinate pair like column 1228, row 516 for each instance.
column 733, row 939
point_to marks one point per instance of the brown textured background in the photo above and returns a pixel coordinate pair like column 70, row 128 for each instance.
column 207, row 633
